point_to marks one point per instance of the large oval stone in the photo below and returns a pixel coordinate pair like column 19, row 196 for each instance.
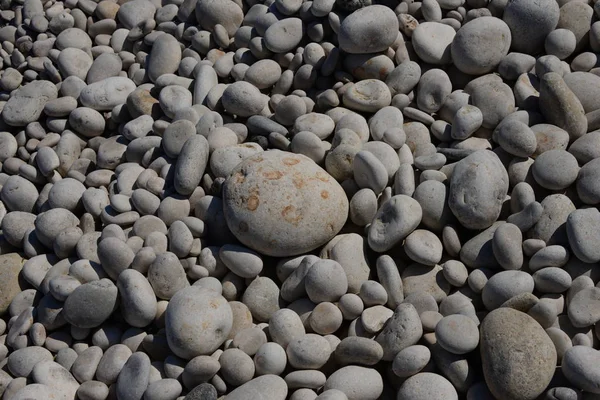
column 518, row 356
column 283, row 204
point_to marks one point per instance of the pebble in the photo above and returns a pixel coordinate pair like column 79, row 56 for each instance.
column 368, row 30
column 431, row 41
column 356, row 382
column 560, row 106
column 457, row 334
column 475, row 54
column 577, row 365
column 427, row 385
column 206, row 313
column 582, row 309
column 269, row 385
column 296, row 228
column 502, row 332
column 309, row 351
column 411, row 360
column 226, row 168
column 394, row 221
column 476, row 200
column 521, row 17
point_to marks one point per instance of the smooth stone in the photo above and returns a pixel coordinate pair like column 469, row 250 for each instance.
column 358, row 350
column 402, row 330
column 203, row 312
column 91, row 304
column 507, row 246
column 583, row 227
column 476, row 195
column 530, row 23
column 27, row 104
column 585, row 86
column 583, row 308
column 368, row 30
column 434, row 87
column 394, row 220
column 358, row 383
column 210, row 13
column 191, row 164
column 585, row 149
column 309, row 351
column 132, row 13
column 431, row 41
column 22, row 361
column 457, row 334
column 560, row 106
column 551, row 227
column 505, row 285
column 134, row 377
column 493, row 97
column 270, row 359
column 10, row 283
column 56, row 377
column 284, row 35
column 272, row 386
column 411, row 361
column 424, row 247
column 369, row 95
column 138, row 302
column 296, row 227
column 504, row 333
column 427, row 386
column 480, row 45
column 555, row 169
column 579, row 367
column 243, row 99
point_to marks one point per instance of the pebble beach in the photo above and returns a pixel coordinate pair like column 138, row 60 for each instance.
column 299, row 200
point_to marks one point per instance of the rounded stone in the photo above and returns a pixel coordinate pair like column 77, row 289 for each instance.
column 427, row 386
column 284, row 35
column 505, row 285
column 91, row 304
column 308, row 351
column 530, row 22
column 423, row 247
column 478, row 187
column 368, row 30
column 197, row 322
column 457, row 334
column 480, row 45
column 555, row 169
column 394, row 220
column 431, row 41
column 411, row 360
column 243, row 99
column 368, row 95
column 271, row 387
column 358, row 383
column 274, row 203
column 580, row 366
column 505, row 333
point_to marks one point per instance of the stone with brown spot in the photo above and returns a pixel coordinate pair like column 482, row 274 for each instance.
column 277, row 208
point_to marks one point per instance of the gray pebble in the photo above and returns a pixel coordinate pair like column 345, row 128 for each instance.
column 476, row 201
column 427, row 385
column 188, row 309
column 457, row 334
column 410, row 361
column 376, row 22
column 475, row 54
column 356, row 382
